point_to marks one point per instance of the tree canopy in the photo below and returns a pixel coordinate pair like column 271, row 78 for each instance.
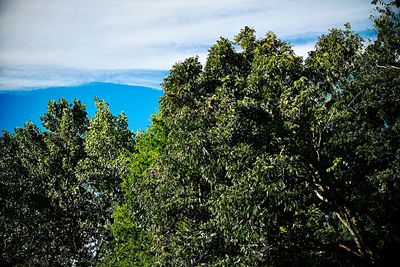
column 257, row 158
column 58, row 187
column 274, row 160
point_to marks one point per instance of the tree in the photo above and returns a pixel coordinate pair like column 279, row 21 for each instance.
column 59, row 186
column 208, row 183
column 272, row 160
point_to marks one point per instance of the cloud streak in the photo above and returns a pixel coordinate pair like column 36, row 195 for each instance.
column 28, row 77
column 154, row 34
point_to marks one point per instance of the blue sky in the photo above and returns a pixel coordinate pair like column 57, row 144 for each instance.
column 138, row 103
column 67, row 43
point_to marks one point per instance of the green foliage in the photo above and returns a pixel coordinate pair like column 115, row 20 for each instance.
column 259, row 158
column 132, row 242
column 58, row 187
column 269, row 160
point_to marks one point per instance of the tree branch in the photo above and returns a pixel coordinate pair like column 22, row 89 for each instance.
column 351, row 102
column 388, row 67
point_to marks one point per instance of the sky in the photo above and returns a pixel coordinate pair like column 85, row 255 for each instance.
column 120, row 50
column 138, row 103
column 68, row 42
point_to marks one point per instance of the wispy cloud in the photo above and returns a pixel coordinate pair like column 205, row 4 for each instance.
column 28, row 77
column 154, row 34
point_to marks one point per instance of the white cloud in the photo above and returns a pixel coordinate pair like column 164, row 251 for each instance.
column 154, row 34
column 29, row 77
column 303, row 49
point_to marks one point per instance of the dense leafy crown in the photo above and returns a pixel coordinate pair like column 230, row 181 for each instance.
column 267, row 159
column 257, row 158
column 58, row 187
